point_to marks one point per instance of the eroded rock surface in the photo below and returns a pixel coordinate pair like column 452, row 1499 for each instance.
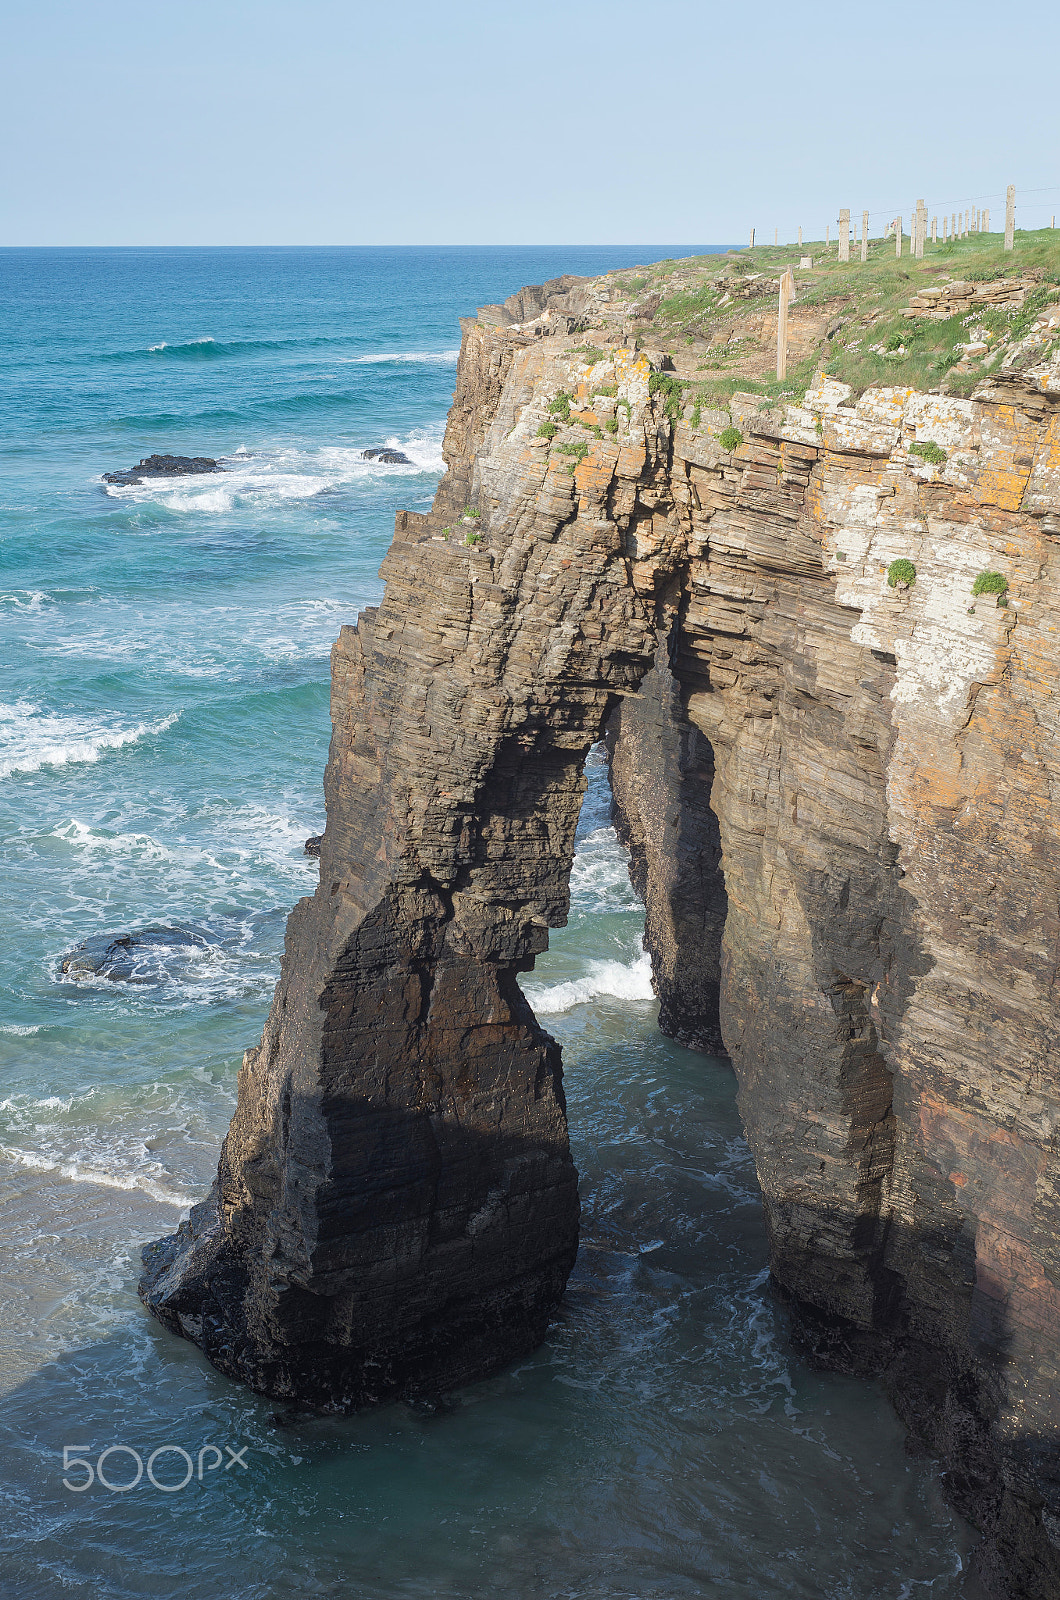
column 839, row 799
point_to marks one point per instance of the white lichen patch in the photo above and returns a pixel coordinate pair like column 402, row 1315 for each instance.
column 939, row 664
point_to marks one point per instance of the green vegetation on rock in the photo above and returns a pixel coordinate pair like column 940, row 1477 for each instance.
column 548, row 430
column 731, row 439
column 990, row 583
column 665, row 383
column 578, row 451
column 901, row 572
column 928, row 450
column 560, row 405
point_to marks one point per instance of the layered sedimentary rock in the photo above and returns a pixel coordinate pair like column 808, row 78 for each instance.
column 839, row 800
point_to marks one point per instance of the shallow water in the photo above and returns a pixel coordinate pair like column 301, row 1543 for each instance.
column 163, row 732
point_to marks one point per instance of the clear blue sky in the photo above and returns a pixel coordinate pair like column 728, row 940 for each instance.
column 270, row 122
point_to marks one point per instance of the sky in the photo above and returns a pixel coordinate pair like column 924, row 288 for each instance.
column 247, row 122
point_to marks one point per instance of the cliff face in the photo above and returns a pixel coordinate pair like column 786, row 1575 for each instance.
column 838, row 797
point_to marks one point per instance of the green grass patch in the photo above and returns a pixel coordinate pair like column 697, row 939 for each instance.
column 611, row 424
column 548, row 430
column 731, row 439
column 560, row 405
column 901, row 571
column 665, row 383
column 578, row 451
column 990, row 583
column 606, row 390
column 928, row 450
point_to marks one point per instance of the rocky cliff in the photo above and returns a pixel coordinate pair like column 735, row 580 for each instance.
column 839, row 800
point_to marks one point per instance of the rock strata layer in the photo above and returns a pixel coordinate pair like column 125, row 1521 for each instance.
column 839, row 802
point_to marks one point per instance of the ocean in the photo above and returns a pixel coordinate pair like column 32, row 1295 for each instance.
column 163, row 733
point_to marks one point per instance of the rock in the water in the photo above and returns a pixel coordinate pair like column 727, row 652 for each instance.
column 164, row 467
column 389, row 458
column 312, row 845
column 128, row 957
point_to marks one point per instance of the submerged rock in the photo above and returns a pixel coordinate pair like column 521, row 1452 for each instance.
column 389, row 458
column 164, row 467
column 127, row 957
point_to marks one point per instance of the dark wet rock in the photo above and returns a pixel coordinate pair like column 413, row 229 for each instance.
column 312, row 846
column 389, row 458
column 164, row 467
column 127, row 957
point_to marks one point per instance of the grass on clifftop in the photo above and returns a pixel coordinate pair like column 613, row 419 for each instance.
column 688, row 307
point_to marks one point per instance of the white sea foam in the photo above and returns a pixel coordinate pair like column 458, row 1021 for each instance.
column 77, row 1172
column 269, row 478
column 616, row 979
column 163, row 344
column 599, row 879
column 140, row 845
column 20, row 1030
column 27, row 599
column 230, row 837
column 427, row 358
column 31, row 738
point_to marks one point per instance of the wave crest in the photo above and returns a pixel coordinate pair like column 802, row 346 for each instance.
column 616, row 980
column 31, row 739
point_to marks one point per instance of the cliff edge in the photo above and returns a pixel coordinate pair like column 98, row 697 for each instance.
column 839, row 796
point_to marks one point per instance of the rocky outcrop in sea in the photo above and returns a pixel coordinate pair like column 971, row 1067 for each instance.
column 164, row 467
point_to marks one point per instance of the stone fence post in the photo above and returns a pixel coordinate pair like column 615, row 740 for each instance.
column 787, row 289
column 898, row 236
column 1010, row 216
column 844, row 234
column 864, row 236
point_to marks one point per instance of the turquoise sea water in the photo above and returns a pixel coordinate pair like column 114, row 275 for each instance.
column 163, row 732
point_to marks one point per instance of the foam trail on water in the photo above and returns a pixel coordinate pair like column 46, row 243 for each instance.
column 31, row 739
column 428, row 358
column 76, row 1173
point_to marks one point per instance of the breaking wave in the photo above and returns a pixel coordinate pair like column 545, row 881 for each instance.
column 616, row 980
column 269, row 478
column 31, row 739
